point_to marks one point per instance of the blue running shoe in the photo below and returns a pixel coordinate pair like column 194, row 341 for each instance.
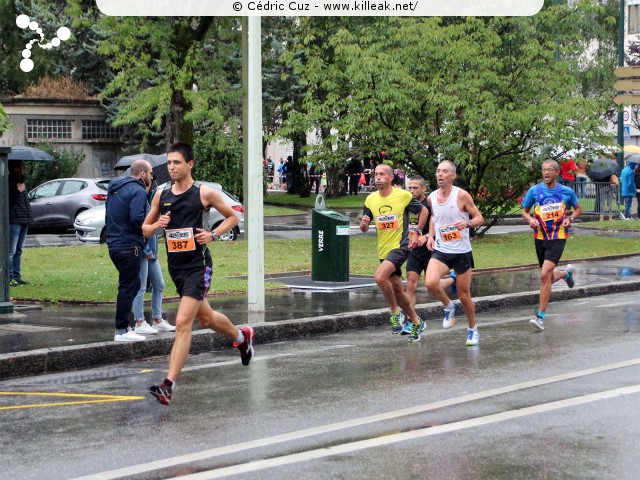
column 416, row 330
column 569, row 276
column 406, row 330
column 454, row 287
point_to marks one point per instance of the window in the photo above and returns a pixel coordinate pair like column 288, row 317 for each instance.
column 633, row 22
column 72, row 186
column 47, row 190
column 48, row 128
column 92, row 129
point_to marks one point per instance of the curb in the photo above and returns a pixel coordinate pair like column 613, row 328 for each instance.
column 59, row 359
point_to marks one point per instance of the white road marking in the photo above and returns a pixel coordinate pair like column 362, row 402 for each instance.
column 260, row 358
column 411, row 435
column 332, row 427
column 619, row 304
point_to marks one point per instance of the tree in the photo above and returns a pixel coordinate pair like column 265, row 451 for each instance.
column 490, row 94
column 171, row 73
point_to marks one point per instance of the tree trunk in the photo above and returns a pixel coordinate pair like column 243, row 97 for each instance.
column 177, row 128
column 300, row 177
column 336, row 185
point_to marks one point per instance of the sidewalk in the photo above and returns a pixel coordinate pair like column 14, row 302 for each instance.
column 56, row 338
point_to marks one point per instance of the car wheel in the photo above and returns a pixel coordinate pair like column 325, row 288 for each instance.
column 230, row 236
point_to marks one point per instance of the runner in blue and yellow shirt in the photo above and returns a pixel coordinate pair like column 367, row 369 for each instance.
column 550, row 221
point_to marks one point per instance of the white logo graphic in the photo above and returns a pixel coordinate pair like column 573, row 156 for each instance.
column 23, row 21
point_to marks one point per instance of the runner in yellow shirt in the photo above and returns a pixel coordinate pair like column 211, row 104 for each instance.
column 389, row 208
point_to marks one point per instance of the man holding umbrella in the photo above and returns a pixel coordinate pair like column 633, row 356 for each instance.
column 550, row 222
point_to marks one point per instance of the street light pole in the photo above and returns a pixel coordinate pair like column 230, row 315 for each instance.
column 621, row 107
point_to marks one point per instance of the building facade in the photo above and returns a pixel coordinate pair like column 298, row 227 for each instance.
column 78, row 125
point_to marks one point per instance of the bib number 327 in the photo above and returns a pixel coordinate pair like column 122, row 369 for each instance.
column 180, row 240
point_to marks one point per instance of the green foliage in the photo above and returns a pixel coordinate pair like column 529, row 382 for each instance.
column 64, row 165
column 85, row 273
column 171, row 74
column 494, row 95
column 5, row 124
column 219, row 159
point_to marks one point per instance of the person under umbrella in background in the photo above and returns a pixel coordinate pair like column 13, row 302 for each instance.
column 20, row 217
column 628, row 187
column 603, row 173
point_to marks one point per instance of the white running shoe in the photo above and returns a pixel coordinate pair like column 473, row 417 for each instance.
column 473, row 337
column 449, row 318
column 163, row 326
column 130, row 336
column 145, row 329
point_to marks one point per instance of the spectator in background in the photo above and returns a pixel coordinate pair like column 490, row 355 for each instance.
column 315, row 177
column 20, row 217
column 568, row 172
column 281, row 175
column 125, row 211
column 581, row 177
column 270, row 173
column 288, row 173
column 353, row 171
column 637, row 179
column 628, row 187
column 150, row 269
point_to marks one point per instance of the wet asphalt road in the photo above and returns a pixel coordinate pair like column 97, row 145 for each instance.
column 523, row 405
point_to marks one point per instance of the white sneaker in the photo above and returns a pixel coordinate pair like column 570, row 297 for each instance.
column 164, row 326
column 449, row 319
column 473, row 337
column 130, row 336
column 145, row 329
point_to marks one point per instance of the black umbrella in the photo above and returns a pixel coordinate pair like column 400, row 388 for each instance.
column 29, row 154
column 602, row 168
column 158, row 164
column 154, row 160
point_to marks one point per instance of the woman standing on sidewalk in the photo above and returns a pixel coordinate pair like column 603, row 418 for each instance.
column 20, row 217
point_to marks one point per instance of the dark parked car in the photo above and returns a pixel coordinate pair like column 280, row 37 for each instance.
column 56, row 204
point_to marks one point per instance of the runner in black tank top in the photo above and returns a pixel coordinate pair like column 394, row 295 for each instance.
column 178, row 210
column 186, row 213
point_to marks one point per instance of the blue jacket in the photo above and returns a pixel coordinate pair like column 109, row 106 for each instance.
column 627, row 181
column 126, row 209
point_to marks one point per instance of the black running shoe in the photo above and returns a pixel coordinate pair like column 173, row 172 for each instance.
column 162, row 392
column 246, row 347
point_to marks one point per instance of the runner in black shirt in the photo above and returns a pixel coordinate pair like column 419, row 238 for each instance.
column 179, row 209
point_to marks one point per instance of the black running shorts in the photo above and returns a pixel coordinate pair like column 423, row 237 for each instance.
column 192, row 282
column 459, row 262
column 418, row 260
column 397, row 256
column 549, row 250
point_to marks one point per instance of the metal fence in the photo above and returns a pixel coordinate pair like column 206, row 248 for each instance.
column 599, row 198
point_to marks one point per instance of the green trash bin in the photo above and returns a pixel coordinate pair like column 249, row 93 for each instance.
column 330, row 246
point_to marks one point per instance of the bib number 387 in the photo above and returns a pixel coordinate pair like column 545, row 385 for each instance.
column 180, row 240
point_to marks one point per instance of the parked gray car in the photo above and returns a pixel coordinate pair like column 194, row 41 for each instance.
column 57, row 203
column 90, row 225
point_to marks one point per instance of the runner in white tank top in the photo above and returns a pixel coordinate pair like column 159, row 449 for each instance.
column 447, row 237
column 454, row 214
